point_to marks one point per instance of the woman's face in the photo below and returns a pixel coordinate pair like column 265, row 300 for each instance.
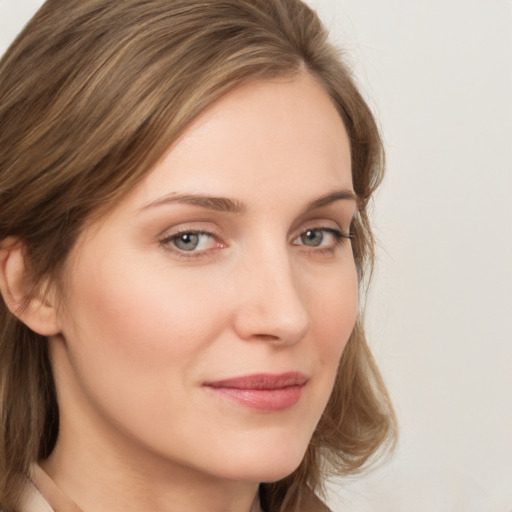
column 206, row 315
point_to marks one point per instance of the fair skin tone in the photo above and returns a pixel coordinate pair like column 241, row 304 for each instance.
column 171, row 291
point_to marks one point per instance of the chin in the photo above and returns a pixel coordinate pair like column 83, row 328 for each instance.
column 267, row 473
column 261, row 463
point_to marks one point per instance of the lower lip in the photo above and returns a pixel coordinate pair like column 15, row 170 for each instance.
column 263, row 400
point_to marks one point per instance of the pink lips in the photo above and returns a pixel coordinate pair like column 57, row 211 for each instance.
column 263, row 392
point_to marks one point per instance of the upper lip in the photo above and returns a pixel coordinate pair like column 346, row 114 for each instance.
column 261, row 381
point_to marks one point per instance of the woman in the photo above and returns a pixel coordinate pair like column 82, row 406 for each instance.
column 184, row 230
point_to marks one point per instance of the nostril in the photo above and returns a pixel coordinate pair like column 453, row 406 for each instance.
column 267, row 337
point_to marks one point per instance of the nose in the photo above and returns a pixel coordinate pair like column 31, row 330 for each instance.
column 269, row 305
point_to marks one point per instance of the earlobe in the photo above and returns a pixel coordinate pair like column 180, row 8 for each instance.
column 34, row 309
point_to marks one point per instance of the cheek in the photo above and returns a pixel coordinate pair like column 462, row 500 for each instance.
column 133, row 302
column 138, row 326
column 334, row 310
column 134, row 343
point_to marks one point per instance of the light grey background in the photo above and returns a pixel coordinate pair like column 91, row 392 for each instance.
column 438, row 75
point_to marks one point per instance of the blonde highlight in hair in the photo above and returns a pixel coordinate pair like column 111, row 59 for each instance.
column 92, row 94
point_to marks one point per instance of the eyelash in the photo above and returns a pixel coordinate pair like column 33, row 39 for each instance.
column 340, row 238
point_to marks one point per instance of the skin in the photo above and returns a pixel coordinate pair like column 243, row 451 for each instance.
column 144, row 324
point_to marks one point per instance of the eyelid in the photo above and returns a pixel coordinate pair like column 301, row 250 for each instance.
column 324, row 223
column 192, row 226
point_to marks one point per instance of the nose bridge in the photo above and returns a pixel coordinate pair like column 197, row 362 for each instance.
column 270, row 303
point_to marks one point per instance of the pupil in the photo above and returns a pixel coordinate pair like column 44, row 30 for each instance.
column 187, row 242
column 312, row 237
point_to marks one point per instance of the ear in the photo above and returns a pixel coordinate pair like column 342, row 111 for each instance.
column 35, row 310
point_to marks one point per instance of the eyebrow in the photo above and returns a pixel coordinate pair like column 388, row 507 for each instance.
column 338, row 195
column 220, row 204
column 224, row 204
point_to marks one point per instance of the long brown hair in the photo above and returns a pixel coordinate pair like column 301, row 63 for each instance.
column 92, row 94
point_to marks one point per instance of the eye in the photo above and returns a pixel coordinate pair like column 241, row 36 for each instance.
column 321, row 237
column 191, row 241
column 312, row 237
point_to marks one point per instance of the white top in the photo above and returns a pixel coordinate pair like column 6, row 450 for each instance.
column 41, row 494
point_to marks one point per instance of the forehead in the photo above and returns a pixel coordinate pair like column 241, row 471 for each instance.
column 276, row 132
column 263, row 140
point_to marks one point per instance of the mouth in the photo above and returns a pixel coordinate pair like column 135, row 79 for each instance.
column 262, row 392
